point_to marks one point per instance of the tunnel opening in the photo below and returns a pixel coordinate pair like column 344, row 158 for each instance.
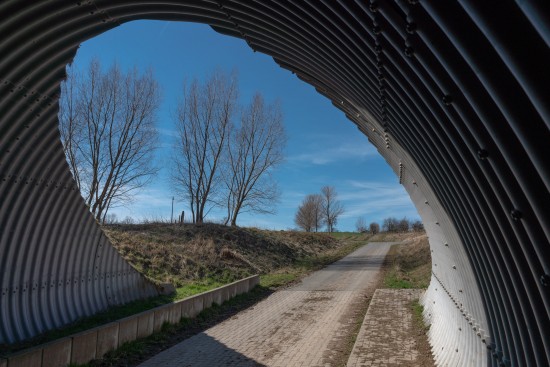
column 460, row 104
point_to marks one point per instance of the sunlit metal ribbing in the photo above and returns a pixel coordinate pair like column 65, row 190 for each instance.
column 452, row 94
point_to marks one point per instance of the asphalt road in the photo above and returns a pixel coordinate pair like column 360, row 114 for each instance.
column 305, row 325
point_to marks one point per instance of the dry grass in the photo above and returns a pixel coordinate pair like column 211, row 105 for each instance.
column 409, row 264
column 184, row 254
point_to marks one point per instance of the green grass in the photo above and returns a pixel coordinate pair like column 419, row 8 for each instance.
column 198, row 287
column 276, row 280
column 394, row 280
column 418, row 318
column 115, row 313
column 409, row 266
column 354, row 236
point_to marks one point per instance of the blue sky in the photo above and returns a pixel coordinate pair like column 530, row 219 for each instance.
column 324, row 148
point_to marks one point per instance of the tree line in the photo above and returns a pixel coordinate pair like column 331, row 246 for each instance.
column 222, row 158
column 389, row 224
column 319, row 210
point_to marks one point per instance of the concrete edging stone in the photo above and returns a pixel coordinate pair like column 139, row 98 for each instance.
column 82, row 347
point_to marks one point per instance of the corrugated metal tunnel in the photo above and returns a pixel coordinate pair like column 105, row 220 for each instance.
column 454, row 95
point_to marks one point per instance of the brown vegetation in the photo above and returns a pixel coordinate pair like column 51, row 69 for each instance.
column 181, row 254
column 409, row 263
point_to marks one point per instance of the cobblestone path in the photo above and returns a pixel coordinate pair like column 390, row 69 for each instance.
column 385, row 338
column 300, row 326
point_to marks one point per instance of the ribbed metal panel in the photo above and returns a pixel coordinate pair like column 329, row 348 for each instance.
column 454, row 94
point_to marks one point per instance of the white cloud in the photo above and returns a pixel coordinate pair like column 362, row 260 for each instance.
column 326, row 154
column 371, row 197
column 168, row 132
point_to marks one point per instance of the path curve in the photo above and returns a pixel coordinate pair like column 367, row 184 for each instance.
column 299, row 326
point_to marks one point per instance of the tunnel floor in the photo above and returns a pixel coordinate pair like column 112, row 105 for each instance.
column 309, row 324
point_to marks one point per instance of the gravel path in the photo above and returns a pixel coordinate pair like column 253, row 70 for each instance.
column 305, row 325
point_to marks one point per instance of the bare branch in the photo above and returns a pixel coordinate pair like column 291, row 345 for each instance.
column 309, row 216
column 203, row 123
column 255, row 148
column 332, row 208
column 107, row 123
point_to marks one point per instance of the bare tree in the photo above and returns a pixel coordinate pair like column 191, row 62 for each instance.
column 111, row 218
column 203, row 124
column 107, row 124
column 390, row 224
column 417, row 226
column 317, row 207
column 361, row 225
column 127, row 220
column 309, row 214
column 303, row 218
column 374, row 228
column 403, row 225
column 255, row 148
column 332, row 208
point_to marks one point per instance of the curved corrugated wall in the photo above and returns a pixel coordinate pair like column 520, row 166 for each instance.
column 454, row 94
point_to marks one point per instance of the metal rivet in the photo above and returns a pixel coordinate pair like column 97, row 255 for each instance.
column 410, row 28
column 447, row 99
column 373, row 7
column 376, row 29
column 482, row 154
column 545, row 280
column 409, row 51
column 516, row 214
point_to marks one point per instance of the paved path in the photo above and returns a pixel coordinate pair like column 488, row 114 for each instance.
column 385, row 338
column 300, row 326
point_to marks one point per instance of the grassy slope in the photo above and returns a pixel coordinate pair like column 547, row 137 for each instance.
column 409, row 264
column 213, row 253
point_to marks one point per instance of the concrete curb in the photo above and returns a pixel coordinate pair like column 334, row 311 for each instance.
column 82, row 347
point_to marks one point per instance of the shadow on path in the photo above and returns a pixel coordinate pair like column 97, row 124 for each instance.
column 175, row 334
column 206, row 352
